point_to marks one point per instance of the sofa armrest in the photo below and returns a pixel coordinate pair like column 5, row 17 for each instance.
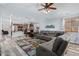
column 48, row 45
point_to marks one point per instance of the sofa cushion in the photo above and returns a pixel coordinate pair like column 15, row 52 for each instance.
column 58, row 41
column 62, row 48
column 43, row 37
column 41, row 51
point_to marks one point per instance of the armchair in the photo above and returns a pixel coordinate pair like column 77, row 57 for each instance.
column 58, row 49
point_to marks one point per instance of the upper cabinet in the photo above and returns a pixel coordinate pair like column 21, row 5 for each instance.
column 71, row 25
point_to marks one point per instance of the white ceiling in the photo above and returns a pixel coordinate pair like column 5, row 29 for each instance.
column 31, row 10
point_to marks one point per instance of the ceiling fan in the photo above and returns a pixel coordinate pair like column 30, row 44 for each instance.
column 47, row 7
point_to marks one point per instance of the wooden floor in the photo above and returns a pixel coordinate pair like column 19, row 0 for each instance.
column 10, row 48
column 72, row 50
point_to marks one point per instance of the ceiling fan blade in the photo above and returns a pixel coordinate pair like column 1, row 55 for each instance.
column 50, row 4
column 46, row 5
column 52, row 8
column 42, row 5
column 41, row 9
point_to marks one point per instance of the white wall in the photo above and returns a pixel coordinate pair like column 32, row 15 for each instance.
column 57, row 22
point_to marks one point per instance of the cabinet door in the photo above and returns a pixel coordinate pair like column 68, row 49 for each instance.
column 67, row 25
column 74, row 25
column 74, row 29
column 71, row 25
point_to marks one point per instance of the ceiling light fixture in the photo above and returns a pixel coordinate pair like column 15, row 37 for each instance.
column 47, row 7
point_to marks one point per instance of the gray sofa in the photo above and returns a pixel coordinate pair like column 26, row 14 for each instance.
column 43, row 37
column 47, row 35
column 58, row 48
column 52, row 33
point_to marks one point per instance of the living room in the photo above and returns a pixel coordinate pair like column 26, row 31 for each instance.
column 25, row 27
